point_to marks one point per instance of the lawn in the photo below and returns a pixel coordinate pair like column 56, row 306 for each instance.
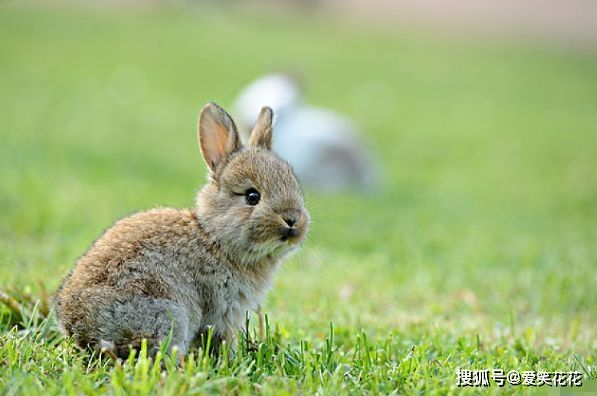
column 479, row 251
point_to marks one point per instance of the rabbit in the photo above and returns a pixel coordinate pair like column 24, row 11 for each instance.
column 174, row 273
column 323, row 146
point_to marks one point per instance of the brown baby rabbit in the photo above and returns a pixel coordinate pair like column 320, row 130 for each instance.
column 182, row 271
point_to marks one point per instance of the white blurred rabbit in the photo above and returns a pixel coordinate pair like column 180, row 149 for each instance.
column 322, row 146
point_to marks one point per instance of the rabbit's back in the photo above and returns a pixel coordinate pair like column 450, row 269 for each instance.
column 141, row 246
column 155, row 254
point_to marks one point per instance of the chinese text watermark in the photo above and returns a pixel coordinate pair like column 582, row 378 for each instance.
column 484, row 378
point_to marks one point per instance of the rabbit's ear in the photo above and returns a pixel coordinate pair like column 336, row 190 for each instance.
column 262, row 133
column 217, row 135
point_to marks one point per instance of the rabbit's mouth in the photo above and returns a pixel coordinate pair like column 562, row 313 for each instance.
column 288, row 233
column 293, row 229
column 291, row 236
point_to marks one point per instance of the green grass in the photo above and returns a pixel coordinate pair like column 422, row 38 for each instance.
column 480, row 251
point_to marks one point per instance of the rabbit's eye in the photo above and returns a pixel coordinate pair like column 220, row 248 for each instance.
column 252, row 196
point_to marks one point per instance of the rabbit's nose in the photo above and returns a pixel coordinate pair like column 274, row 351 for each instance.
column 290, row 216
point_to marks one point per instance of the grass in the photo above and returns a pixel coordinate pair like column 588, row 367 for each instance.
column 478, row 252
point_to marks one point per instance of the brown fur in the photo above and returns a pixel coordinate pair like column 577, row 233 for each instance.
column 181, row 271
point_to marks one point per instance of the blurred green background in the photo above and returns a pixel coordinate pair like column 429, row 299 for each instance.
column 486, row 219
